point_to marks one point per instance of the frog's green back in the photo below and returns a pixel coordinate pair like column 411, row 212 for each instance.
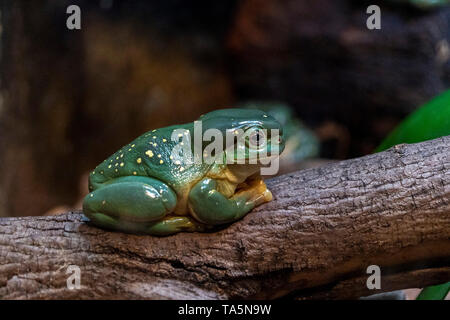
column 430, row 121
column 149, row 155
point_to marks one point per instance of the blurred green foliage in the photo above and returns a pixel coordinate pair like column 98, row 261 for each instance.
column 430, row 121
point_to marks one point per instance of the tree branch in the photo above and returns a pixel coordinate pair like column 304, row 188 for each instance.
column 316, row 239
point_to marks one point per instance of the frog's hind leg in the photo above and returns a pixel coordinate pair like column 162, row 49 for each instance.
column 211, row 207
column 129, row 204
column 164, row 227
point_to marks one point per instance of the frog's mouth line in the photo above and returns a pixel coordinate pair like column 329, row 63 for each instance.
column 267, row 158
column 261, row 162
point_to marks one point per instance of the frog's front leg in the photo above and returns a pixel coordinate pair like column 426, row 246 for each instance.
column 211, row 207
column 130, row 204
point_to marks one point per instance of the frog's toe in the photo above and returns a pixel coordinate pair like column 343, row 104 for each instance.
column 174, row 224
column 267, row 195
column 256, row 192
column 261, row 198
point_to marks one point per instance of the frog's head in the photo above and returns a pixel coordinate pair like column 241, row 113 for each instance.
column 280, row 111
column 250, row 135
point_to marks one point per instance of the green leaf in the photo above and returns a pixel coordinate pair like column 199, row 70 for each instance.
column 438, row 292
column 430, row 121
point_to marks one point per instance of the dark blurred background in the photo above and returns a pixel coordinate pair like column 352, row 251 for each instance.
column 69, row 98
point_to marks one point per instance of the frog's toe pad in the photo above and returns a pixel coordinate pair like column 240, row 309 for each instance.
column 261, row 189
column 267, row 195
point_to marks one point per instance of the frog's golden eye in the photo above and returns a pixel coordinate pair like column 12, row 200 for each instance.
column 257, row 139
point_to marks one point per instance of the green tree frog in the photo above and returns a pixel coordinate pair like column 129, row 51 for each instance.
column 145, row 188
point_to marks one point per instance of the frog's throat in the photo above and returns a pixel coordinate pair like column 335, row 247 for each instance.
column 241, row 172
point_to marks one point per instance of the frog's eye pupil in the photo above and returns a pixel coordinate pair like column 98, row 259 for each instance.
column 257, row 138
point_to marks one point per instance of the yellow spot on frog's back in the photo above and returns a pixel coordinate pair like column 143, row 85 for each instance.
column 149, row 153
column 92, row 195
column 116, row 164
column 265, row 116
column 154, row 137
column 133, row 145
column 161, row 162
column 122, row 164
column 180, row 135
column 101, row 172
column 117, row 158
column 129, row 149
column 164, row 140
column 171, row 157
column 116, row 170
column 103, row 202
column 138, row 160
column 109, row 166
column 134, row 173
column 153, row 130
column 181, row 169
column 121, row 155
column 159, row 156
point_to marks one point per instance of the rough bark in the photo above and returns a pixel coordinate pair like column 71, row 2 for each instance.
column 316, row 239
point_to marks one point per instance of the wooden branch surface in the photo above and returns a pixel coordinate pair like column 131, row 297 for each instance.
column 315, row 240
